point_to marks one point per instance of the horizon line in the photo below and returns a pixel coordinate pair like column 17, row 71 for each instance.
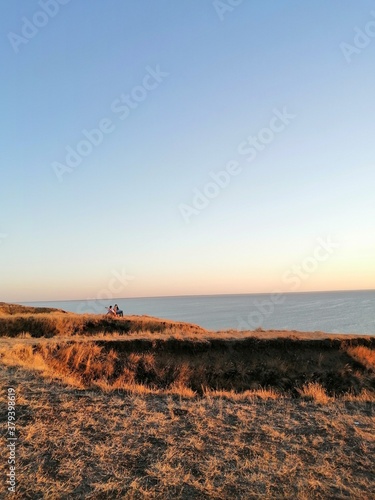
column 202, row 295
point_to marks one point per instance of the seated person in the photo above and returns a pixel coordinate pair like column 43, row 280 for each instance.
column 111, row 311
column 118, row 311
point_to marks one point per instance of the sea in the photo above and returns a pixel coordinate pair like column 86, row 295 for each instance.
column 351, row 312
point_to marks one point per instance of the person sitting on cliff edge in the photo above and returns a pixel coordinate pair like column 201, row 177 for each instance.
column 111, row 311
column 118, row 312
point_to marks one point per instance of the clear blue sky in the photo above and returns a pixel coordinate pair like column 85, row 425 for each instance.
column 221, row 74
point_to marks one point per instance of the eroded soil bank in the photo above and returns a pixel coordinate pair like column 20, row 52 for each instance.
column 285, row 365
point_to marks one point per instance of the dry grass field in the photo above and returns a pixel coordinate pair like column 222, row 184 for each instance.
column 147, row 408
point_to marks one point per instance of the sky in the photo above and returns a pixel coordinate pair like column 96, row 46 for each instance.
column 163, row 147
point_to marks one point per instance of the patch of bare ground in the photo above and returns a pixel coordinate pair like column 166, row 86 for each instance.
column 92, row 444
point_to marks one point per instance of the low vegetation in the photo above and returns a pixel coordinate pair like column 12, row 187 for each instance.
column 16, row 321
column 200, row 366
column 146, row 408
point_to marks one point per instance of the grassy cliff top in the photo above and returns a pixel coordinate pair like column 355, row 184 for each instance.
column 11, row 309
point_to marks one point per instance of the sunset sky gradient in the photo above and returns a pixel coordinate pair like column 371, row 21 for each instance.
column 216, row 80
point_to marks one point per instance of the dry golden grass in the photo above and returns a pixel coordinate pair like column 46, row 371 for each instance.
column 90, row 444
column 49, row 325
column 312, row 370
column 363, row 355
column 145, row 408
column 314, row 392
column 160, row 362
column 10, row 309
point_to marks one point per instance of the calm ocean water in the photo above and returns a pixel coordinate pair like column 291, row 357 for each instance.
column 331, row 312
